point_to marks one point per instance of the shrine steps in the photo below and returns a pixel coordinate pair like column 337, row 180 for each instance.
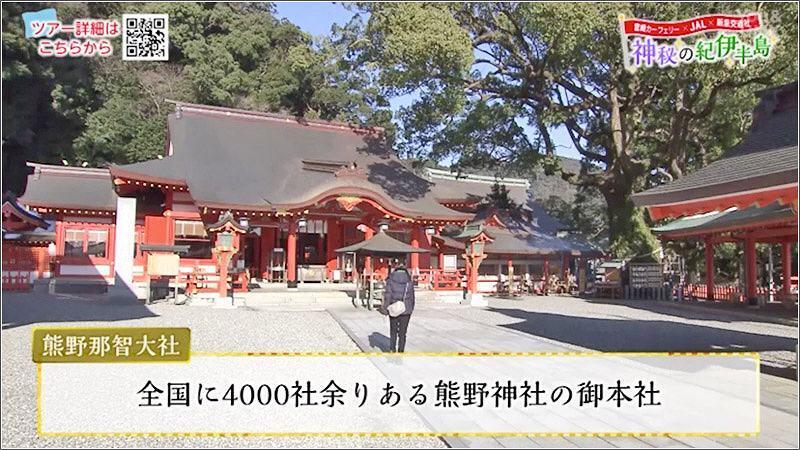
column 256, row 298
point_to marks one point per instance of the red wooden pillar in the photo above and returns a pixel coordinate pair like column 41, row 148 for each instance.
column 222, row 284
column 472, row 276
column 267, row 244
column 415, row 243
column 546, row 267
column 368, row 234
column 333, row 242
column 321, row 255
column 786, row 255
column 441, row 259
column 564, row 265
column 291, row 252
column 750, row 268
column 510, row 275
column 709, row 251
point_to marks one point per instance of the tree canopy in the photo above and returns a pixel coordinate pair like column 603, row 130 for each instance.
column 104, row 110
column 492, row 84
column 494, row 81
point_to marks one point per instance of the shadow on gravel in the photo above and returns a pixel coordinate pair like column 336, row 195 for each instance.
column 20, row 309
column 609, row 335
column 719, row 312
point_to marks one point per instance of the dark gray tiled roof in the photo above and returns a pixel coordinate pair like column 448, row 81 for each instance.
column 381, row 243
column 767, row 156
column 535, row 243
column 241, row 158
column 527, row 231
column 69, row 187
column 774, row 213
column 468, row 190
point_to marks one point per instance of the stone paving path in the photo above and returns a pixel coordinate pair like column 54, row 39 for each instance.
column 445, row 328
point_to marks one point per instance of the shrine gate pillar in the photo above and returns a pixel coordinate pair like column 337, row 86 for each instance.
column 510, row 276
column 291, row 253
column 415, row 256
column 368, row 234
column 333, row 242
column 786, row 256
column 546, row 267
column 750, row 268
column 267, row 244
column 709, row 252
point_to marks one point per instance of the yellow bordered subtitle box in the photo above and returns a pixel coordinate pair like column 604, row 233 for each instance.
column 111, row 345
column 732, row 387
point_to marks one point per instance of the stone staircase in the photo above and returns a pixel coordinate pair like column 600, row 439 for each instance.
column 326, row 298
column 257, row 298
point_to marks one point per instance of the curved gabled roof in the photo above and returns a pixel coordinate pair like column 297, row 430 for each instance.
column 263, row 161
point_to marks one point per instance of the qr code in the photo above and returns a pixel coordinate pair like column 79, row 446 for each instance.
column 145, row 37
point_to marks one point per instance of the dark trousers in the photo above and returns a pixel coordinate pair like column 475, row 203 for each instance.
column 397, row 330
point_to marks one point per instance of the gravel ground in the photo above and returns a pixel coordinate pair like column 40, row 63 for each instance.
column 649, row 326
column 212, row 330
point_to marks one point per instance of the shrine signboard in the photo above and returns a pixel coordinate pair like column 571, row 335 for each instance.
column 645, row 275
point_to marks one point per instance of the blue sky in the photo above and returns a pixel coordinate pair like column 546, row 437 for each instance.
column 316, row 18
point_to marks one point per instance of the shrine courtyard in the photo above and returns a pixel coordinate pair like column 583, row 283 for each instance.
column 544, row 323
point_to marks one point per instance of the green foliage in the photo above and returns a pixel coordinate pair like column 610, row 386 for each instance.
column 44, row 100
column 531, row 67
column 499, row 197
column 586, row 213
column 104, row 110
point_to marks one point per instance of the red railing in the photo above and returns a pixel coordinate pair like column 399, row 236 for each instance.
column 440, row 280
column 724, row 293
column 700, row 291
column 16, row 281
column 22, row 264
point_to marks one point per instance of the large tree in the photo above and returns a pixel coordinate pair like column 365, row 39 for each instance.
column 106, row 110
column 223, row 54
column 45, row 100
column 493, row 82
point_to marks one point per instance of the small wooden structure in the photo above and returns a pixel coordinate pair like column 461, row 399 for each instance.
column 379, row 245
column 162, row 269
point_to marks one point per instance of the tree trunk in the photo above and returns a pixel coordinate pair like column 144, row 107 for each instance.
column 629, row 234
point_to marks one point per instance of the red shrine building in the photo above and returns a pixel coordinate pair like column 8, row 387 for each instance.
column 749, row 197
column 300, row 188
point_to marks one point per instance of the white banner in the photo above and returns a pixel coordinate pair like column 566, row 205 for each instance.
column 420, row 394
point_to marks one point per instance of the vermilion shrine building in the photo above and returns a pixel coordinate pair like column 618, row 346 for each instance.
column 748, row 196
column 302, row 188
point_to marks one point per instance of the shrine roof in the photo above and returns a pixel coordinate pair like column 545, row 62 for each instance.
column 455, row 187
column 729, row 220
column 528, row 230
column 381, row 243
column 235, row 158
column 31, row 220
column 69, row 187
column 765, row 158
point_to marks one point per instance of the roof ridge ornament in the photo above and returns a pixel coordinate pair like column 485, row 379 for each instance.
column 226, row 222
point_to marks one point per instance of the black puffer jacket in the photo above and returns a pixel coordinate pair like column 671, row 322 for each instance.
column 399, row 282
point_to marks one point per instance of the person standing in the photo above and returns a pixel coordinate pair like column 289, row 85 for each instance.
column 398, row 304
